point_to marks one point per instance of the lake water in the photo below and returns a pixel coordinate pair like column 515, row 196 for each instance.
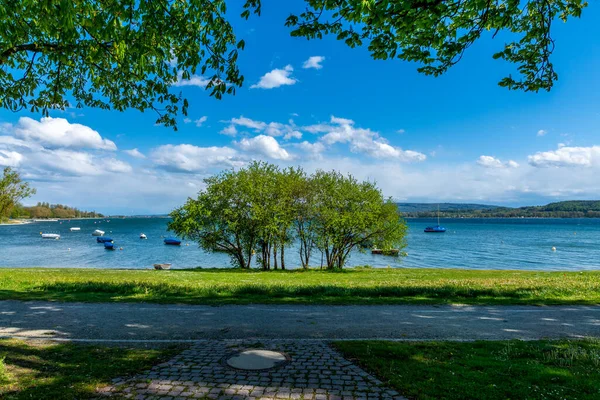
column 468, row 243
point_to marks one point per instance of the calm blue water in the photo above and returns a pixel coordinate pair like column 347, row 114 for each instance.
column 477, row 244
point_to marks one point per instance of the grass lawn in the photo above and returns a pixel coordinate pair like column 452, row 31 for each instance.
column 68, row 371
column 351, row 286
column 483, row 370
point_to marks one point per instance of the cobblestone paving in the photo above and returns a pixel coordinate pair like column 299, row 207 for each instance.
column 315, row 372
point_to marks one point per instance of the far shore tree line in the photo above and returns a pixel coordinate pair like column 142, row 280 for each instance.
column 561, row 209
column 46, row 210
column 261, row 210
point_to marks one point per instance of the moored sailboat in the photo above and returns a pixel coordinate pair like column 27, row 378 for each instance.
column 437, row 228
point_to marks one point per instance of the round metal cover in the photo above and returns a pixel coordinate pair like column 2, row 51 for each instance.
column 256, row 359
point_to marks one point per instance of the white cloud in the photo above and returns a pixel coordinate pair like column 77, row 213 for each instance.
column 493, row 162
column 276, row 78
column 58, row 132
column 190, row 158
column 187, row 120
column 311, row 150
column 10, row 158
column 65, row 162
column 314, row 62
column 541, row 132
column 288, row 131
column 293, row 135
column 264, row 145
column 115, row 165
column 135, row 153
column 53, row 149
column 566, row 156
column 341, row 121
column 401, row 131
column 200, row 121
column 229, row 130
column 195, row 80
column 363, row 141
column 249, row 123
column 317, row 128
column 275, row 129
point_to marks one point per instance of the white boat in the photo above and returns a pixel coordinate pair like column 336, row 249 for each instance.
column 162, row 266
column 143, row 236
column 54, row 236
column 98, row 232
column 74, row 229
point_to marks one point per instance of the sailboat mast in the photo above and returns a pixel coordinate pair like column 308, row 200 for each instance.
column 438, row 215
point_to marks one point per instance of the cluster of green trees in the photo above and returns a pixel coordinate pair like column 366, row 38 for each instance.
column 262, row 209
column 47, row 210
column 12, row 190
column 561, row 209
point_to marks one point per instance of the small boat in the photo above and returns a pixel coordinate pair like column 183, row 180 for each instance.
column 162, row 266
column 437, row 228
column 104, row 239
column 74, row 229
column 98, row 232
column 386, row 252
column 54, row 236
column 172, row 241
column 143, row 236
column 109, row 246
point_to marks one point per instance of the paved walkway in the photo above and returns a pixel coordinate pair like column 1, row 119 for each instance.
column 315, row 372
column 153, row 322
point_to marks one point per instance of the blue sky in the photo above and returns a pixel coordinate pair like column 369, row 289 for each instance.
column 459, row 137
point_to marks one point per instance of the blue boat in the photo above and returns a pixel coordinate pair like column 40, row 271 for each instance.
column 437, row 228
column 109, row 246
column 104, row 239
column 172, row 241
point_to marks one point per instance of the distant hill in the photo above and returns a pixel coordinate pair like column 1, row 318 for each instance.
column 425, row 207
column 561, row 209
column 571, row 206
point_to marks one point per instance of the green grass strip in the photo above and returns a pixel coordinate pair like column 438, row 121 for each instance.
column 483, row 370
column 350, row 286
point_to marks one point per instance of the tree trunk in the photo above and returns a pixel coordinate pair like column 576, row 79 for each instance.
column 239, row 255
column 282, row 256
column 275, row 256
column 264, row 256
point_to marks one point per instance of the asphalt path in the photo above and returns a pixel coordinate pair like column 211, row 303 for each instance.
column 122, row 322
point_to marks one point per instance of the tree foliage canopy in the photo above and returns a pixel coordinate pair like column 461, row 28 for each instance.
column 436, row 33
column 113, row 53
column 127, row 54
column 12, row 190
column 262, row 209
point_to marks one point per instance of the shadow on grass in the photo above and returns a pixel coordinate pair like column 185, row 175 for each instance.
column 280, row 271
column 290, row 293
column 483, row 370
column 69, row 371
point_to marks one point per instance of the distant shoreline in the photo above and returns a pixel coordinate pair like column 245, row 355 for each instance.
column 16, row 222
column 34, row 220
column 446, row 218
